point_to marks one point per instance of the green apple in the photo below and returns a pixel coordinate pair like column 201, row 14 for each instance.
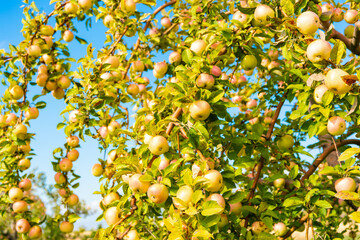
column 249, row 62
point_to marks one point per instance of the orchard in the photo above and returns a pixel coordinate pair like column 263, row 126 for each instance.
column 246, row 128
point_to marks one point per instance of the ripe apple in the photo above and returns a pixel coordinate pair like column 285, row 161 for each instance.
column 20, row 206
column 112, row 215
column 235, row 208
column 147, row 138
column 73, row 116
column 158, row 193
column 351, row 16
column 71, row 8
column 62, row 192
column 349, row 31
column 175, row 57
column 132, row 235
column 25, row 184
column 35, row 232
column 249, row 62
column 279, row 183
column 31, row 113
column 73, row 155
column 252, row 103
column 345, row 184
column 11, row 119
column 111, row 157
column 15, row 194
column 43, row 69
column 158, row 145
column 198, row 46
column 51, row 85
column 58, row 93
column 63, row 82
column 258, row 227
column 338, row 15
column 41, row 79
column 103, row 131
column 65, row 165
column 272, row 65
column 72, row 141
column 214, row 180
column 24, row 164
column 133, row 89
column 113, row 126
column 163, row 164
column 153, row 32
column 184, row 193
column 241, row 17
column 97, row 170
column 16, row 92
column 263, row 13
column 47, row 30
column 335, row 83
column 200, row 110
column 59, row 178
column 327, row 10
column 308, row 22
column 280, row 229
column 108, row 20
column 113, row 61
column 319, row 93
column 285, row 142
column 318, row 51
column 165, row 22
column 66, row 227
column 216, row 71
column 128, row 6
column 336, row 125
column 161, row 67
column 22, row 226
column 85, row 4
column 68, row 36
column 110, row 198
column 138, row 66
column 217, row 198
column 72, row 200
column 205, row 80
column 138, row 186
column 20, row 131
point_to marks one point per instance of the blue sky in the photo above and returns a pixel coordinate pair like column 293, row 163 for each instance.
column 47, row 137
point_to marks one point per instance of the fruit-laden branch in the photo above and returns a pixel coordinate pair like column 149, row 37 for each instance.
column 133, row 208
column 312, row 169
column 137, row 44
column 351, row 44
column 326, row 152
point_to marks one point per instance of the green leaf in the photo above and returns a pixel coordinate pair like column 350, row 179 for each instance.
column 348, row 153
column 287, row 7
column 210, row 221
column 73, row 217
column 346, row 195
column 337, row 52
column 211, row 208
column 40, row 105
column 327, row 98
column 355, row 216
column 293, row 201
column 246, row 10
column 80, row 40
column 323, row 204
column 187, row 56
column 202, row 233
column 60, row 126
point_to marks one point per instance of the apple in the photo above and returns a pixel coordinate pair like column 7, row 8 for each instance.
column 111, row 157
column 279, row 183
column 22, row 226
column 72, row 141
column 249, row 62
column 149, row 118
column 133, row 89
column 161, row 67
column 184, row 193
column 25, row 184
column 68, row 36
column 217, row 198
column 72, row 200
column 111, row 215
column 175, row 57
column 319, row 93
column 47, row 59
column 63, row 82
column 59, row 178
column 327, row 10
column 198, row 46
column 258, row 227
column 138, row 66
column 318, row 51
column 35, row 232
column 15, row 194
column 24, row 164
column 65, row 165
column 66, row 227
column 308, row 23
column 41, row 79
column 138, row 186
column 62, row 192
column 128, row 6
column 147, row 138
column 241, row 17
column 349, row 31
column 132, row 235
column 200, row 110
column 11, row 119
column 280, row 229
column 85, row 4
column 285, row 142
column 73, row 155
column 345, row 184
column 272, row 65
column 336, row 125
column 223, row 221
column 163, row 164
column 51, row 85
column 153, row 32
column 351, row 16
column 43, row 69
column 46, row 30
column 263, row 13
column 108, row 20
column 20, row 206
column 235, row 208
column 335, row 83
column 273, row 54
column 214, row 180
column 158, row 145
column 110, row 198
column 97, row 170
column 73, row 116
column 103, row 131
column 34, row 51
column 252, row 103
column 165, row 22
column 113, row 126
column 338, row 15
column 158, row 193
column 16, row 92
column 205, row 80
column 71, row 8
column 58, row 93
column 31, row 113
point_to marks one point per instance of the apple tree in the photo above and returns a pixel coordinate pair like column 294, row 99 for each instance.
column 207, row 112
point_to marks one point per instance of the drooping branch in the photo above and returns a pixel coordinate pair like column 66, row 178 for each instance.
column 133, row 208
